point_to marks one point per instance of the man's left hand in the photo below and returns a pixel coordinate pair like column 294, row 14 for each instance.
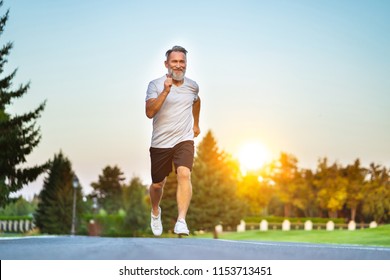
column 196, row 131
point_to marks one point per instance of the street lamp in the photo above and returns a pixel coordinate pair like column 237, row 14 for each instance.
column 75, row 186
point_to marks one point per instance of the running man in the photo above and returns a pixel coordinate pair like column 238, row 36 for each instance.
column 173, row 103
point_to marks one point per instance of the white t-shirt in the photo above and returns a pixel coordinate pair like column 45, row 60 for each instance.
column 174, row 122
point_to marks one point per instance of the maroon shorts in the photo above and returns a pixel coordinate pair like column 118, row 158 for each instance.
column 181, row 154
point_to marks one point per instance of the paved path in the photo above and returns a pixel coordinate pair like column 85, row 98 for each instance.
column 98, row 248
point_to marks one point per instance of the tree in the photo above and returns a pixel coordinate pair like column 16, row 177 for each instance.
column 137, row 212
column 355, row 176
column 169, row 203
column 20, row 207
column 377, row 195
column 332, row 187
column 288, row 182
column 18, row 134
column 309, row 193
column 257, row 191
column 55, row 207
column 214, row 180
column 108, row 189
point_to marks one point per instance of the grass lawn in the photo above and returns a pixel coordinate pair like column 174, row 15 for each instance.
column 379, row 236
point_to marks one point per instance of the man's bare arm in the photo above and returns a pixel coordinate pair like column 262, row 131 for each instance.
column 153, row 105
column 196, row 113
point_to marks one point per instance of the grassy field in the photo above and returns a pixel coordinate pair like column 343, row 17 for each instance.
column 379, row 236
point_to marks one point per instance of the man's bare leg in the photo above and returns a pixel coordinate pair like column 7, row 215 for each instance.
column 184, row 191
column 155, row 193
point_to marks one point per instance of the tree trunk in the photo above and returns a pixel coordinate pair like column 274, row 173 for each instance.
column 353, row 213
column 287, row 208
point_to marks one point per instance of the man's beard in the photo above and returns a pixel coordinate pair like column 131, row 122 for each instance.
column 177, row 77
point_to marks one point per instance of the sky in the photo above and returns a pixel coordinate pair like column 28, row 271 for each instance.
column 310, row 78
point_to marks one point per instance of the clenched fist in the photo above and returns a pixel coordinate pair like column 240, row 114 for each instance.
column 168, row 83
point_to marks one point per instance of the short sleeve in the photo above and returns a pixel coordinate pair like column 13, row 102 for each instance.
column 196, row 92
column 151, row 92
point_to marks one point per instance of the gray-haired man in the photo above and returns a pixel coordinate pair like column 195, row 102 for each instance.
column 173, row 103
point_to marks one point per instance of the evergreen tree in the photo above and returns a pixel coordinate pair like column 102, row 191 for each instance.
column 214, row 180
column 108, row 189
column 18, row 134
column 55, row 207
column 137, row 212
column 169, row 203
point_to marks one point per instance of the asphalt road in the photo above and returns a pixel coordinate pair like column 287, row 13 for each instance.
column 98, row 248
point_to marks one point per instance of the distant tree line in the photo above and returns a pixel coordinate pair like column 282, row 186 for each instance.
column 221, row 194
column 332, row 190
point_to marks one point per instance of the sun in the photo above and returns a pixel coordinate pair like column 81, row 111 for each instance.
column 252, row 156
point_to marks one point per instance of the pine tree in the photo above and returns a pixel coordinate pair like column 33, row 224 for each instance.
column 54, row 213
column 137, row 212
column 18, row 134
column 214, row 180
column 108, row 189
column 169, row 203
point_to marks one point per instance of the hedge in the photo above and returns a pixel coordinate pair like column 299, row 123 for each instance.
column 274, row 219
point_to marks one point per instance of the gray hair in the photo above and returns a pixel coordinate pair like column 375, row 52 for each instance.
column 176, row 49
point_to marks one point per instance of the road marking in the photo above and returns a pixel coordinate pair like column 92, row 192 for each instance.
column 358, row 247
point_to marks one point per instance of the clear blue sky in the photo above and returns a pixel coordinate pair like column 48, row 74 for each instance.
column 310, row 78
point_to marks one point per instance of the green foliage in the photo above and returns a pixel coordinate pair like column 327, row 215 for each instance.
column 377, row 195
column 332, row 186
column 168, row 203
column 112, row 225
column 275, row 219
column 356, row 185
column 18, row 134
column 15, row 218
column 369, row 236
column 136, row 218
column 20, row 207
column 55, row 207
column 352, row 192
column 256, row 194
column 108, row 189
column 288, row 183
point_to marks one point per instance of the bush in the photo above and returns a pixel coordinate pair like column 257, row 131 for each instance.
column 274, row 219
column 15, row 218
column 111, row 225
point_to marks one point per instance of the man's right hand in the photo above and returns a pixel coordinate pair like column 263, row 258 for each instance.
column 168, row 83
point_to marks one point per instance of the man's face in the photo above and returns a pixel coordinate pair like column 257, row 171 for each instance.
column 176, row 64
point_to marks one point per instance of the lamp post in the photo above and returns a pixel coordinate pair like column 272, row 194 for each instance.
column 75, row 183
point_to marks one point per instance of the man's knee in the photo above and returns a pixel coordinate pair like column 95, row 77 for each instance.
column 183, row 173
column 159, row 185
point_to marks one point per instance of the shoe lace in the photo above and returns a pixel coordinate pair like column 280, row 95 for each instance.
column 155, row 222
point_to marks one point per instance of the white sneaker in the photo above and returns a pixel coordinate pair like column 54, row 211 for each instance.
column 181, row 227
column 156, row 224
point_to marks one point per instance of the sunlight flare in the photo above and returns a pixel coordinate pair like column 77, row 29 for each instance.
column 252, row 156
